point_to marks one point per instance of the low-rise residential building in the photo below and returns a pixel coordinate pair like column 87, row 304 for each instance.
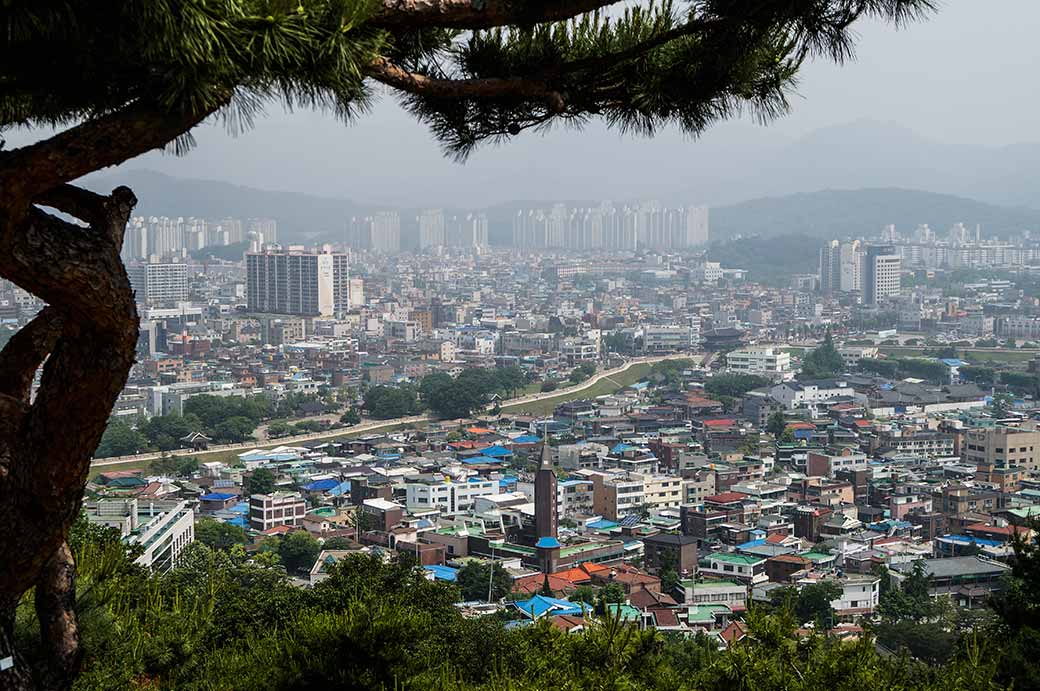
column 740, row 567
column 268, row 511
column 765, row 361
column 448, row 495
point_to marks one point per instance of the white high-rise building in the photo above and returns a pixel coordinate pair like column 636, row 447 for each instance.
column 156, row 283
column 291, row 282
column 697, row 226
column 431, row 229
column 881, row 273
column 386, row 232
column 381, row 233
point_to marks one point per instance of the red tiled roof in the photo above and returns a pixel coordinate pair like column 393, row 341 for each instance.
column 726, row 422
column 734, row 632
column 576, row 576
column 665, row 617
column 566, row 622
column 534, row 583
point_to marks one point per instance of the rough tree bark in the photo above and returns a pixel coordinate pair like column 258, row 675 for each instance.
column 85, row 340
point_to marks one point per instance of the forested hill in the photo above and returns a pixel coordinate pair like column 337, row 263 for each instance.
column 862, row 213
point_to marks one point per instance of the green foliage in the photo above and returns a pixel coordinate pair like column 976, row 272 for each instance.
column 336, row 543
column 814, row 603
column 260, row 481
column 385, row 402
column 734, row 385
column 901, row 368
column 351, row 417
column 933, row 643
column 165, row 432
column 120, row 439
column 610, row 594
column 920, row 368
column 218, row 534
column 984, row 376
column 884, row 368
column 469, row 392
column 823, row 362
column 474, row 577
column 298, row 550
column 911, row 601
column 582, row 372
column 1002, row 404
column 776, row 424
column 221, row 621
column 1020, row 382
column 176, row 466
column 584, row 593
column 669, row 372
column 213, row 410
column 769, row 260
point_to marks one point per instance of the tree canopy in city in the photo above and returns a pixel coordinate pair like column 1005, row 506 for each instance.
column 138, row 76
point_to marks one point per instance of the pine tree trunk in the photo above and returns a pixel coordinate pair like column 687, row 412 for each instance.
column 85, row 340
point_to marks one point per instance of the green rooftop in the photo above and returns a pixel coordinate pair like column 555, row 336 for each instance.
column 735, row 558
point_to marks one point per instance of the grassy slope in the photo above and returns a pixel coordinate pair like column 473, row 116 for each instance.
column 610, row 385
column 230, row 456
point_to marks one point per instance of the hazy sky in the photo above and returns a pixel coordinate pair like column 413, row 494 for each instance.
column 967, row 75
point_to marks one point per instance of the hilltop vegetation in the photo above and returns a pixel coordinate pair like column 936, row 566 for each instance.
column 223, row 621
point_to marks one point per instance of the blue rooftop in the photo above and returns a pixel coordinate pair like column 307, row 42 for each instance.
column 218, row 496
column 752, row 543
column 527, row 439
column 497, row 452
column 547, row 543
column 476, row 460
column 340, row 489
column 969, row 540
column 540, row 605
column 322, row 485
column 602, row 524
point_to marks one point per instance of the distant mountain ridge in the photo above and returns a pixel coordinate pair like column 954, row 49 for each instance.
column 862, row 213
column 827, row 213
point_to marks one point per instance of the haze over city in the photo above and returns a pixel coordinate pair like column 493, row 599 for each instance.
column 437, row 401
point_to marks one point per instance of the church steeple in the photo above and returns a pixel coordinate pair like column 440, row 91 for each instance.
column 545, row 499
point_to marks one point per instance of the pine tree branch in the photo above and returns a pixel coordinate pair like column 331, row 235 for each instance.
column 601, row 62
column 30, row 171
column 384, row 71
column 478, row 14
column 26, row 351
column 75, row 201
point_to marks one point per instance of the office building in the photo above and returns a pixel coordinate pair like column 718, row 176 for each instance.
column 881, row 273
column 268, row 511
column 155, row 283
